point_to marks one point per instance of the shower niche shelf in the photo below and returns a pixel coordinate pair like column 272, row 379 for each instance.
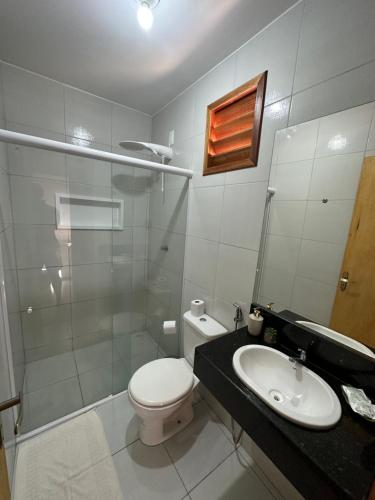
column 86, row 212
column 233, row 128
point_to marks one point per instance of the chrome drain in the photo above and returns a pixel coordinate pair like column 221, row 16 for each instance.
column 276, row 396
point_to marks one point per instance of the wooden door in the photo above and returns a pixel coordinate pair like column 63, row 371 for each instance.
column 4, row 481
column 354, row 307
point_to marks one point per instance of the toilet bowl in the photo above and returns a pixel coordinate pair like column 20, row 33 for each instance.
column 161, row 391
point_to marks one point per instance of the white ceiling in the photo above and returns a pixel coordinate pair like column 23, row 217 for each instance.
column 98, row 46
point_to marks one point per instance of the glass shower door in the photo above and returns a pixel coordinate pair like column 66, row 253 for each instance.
column 97, row 259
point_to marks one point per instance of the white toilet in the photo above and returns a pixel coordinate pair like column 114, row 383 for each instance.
column 161, row 391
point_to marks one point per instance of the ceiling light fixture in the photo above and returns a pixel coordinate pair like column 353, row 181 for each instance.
column 144, row 15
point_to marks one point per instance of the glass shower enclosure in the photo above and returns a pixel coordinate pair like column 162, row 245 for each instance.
column 93, row 256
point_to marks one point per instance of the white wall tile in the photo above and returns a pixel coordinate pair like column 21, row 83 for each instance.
column 236, row 269
column 91, row 281
column 7, row 248
column 89, row 247
column 205, row 205
column 276, row 286
column 291, row 180
column 336, row 36
column 191, row 292
column 87, row 171
column 87, row 117
column 139, row 275
column 46, row 326
column 286, row 218
column 33, row 100
column 39, row 245
column 140, row 214
column 11, row 287
column 275, row 117
column 40, row 288
column 24, row 128
column 223, row 311
column 281, row 253
column 313, row 299
column 5, row 201
column 164, row 121
column 201, row 261
column 128, row 124
column 172, row 258
column 328, row 221
column 275, row 50
column 320, row 261
column 185, row 107
column 34, row 162
column 128, row 244
column 33, row 200
column 344, row 132
column 242, row 218
column 198, row 180
column 214, row 85
column 345, row 91
column 336, row 177
column 168, row 209
column 92, row 316
column 298, row 142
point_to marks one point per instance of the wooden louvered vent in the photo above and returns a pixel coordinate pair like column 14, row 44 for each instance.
column 233, row 128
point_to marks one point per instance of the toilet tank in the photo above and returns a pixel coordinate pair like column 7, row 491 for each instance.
column 198, row 330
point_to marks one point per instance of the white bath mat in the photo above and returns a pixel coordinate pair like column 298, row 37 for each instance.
column 69, row 462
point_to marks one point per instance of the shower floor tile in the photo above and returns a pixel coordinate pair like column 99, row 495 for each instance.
column 94, row 356
column 50, row 403
column 58, row 385
column 43, row 372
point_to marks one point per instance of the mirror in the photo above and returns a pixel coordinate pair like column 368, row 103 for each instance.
column 317, row 254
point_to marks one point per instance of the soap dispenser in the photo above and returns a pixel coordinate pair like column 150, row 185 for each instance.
column 255, row 322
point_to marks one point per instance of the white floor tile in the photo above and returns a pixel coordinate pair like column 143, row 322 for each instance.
column 200, row 447
column 147, row 473
column 48, row 371
column 119, row 421
column 233, row 479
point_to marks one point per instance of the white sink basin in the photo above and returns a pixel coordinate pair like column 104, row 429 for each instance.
column 293, row 391
column 339, row 337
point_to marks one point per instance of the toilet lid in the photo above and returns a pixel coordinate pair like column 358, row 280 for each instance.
column 161, row 382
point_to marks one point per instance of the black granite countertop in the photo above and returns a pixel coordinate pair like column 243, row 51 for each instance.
column 338, row 463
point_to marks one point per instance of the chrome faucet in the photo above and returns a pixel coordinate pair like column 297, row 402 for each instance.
column 238, row 315
column 298, row 360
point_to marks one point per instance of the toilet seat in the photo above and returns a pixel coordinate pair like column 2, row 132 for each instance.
column 161, row 382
